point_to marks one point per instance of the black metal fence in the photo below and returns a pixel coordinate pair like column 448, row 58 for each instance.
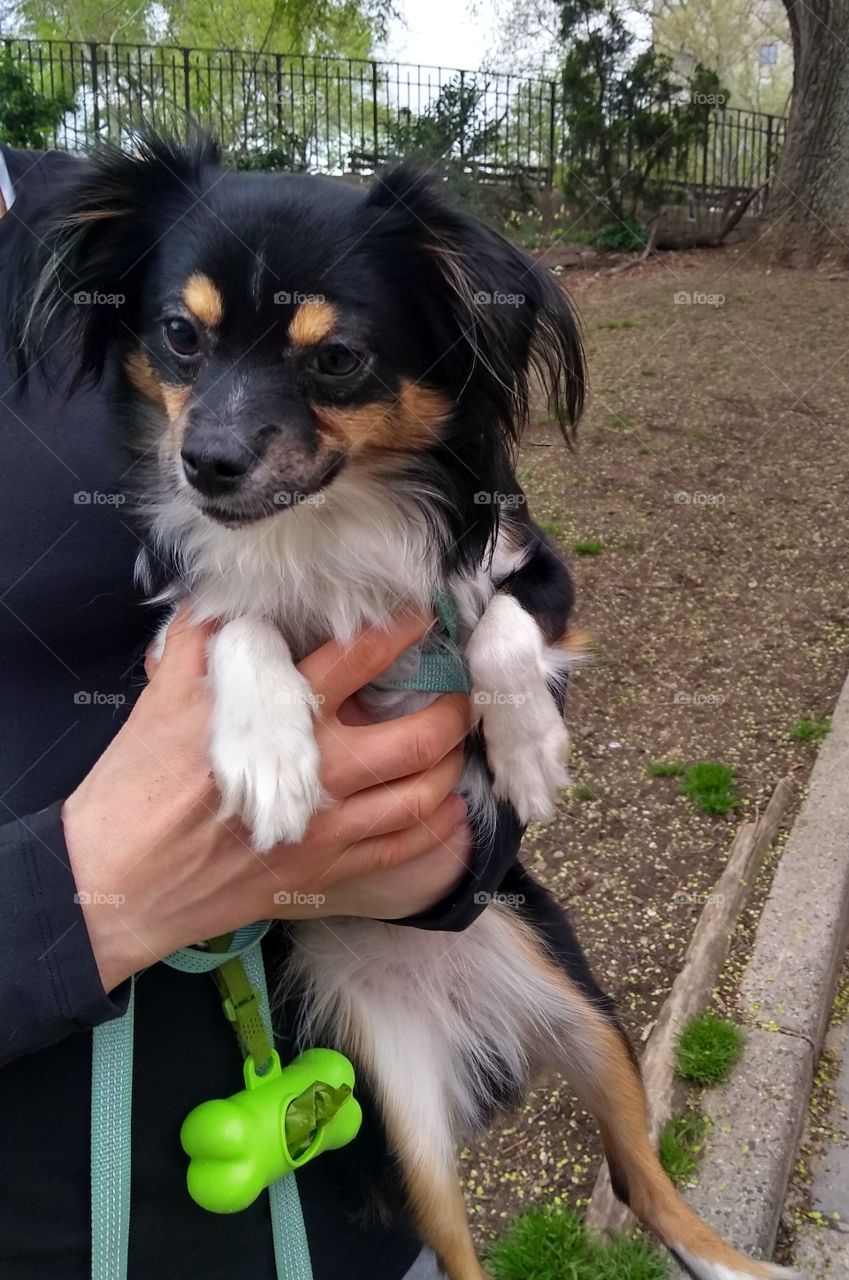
column 345, row 115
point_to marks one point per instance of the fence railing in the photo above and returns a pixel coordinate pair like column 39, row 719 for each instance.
column 347, row 115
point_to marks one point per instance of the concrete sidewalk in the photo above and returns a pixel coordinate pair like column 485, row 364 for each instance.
column 787, row 994
column 822, row 1246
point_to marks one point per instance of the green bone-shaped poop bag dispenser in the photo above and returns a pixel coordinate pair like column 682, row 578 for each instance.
column 238, row 1146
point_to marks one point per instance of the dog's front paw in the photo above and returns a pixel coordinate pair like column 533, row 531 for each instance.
column 267, row 771
column 526, row 739
column 526, row 748
column 264, row 754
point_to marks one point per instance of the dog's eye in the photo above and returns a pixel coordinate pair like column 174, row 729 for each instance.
column 335, row 360
column 182, row 336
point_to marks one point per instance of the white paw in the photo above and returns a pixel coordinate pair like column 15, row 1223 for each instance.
column 526, row 739
column 263, row 749
column 526, row 748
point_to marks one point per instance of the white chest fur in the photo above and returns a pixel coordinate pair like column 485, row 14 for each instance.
column 352, row 555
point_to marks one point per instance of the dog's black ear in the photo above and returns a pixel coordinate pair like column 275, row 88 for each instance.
column 93, row 238
column 495, row 315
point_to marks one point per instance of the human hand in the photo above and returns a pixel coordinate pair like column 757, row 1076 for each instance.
column 157, row 869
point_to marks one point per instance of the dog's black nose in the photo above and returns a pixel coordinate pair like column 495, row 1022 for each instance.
column 218, row 466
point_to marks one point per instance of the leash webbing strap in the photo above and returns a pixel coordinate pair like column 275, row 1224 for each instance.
column 111, row 1118
column 111, row 1115
column 291, row 1248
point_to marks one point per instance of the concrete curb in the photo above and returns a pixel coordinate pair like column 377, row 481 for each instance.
column 787, row 993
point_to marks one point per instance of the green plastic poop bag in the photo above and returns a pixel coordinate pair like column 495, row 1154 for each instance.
column 240, row 1145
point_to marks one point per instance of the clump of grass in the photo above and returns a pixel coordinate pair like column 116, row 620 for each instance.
column 665, row 769
column 553, row 530
column 581, row 791
column 707, row 1049
column 808, row 730
column 622, row 422
column 553, row 1244
column 617, row 324
column 592, row 547
column 710, row 785
column 681, row 1144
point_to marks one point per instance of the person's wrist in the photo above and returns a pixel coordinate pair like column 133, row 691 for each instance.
column 120, row 942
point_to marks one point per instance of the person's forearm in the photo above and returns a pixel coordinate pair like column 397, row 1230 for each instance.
column 49, row 979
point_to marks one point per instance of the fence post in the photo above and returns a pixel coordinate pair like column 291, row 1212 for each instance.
column 551, row 131
column 709, row 119
column 462, row 114
column 374, row 122
column 95, row 88
column 187, row 95
column 278, row 86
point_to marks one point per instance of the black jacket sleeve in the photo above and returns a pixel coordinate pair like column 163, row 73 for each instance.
column 49, row 982
column 488, row 867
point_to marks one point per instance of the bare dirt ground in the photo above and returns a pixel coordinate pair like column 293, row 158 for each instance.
column 713, row 468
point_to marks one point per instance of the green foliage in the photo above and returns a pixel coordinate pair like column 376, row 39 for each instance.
column 581, row 791
column 553, row 530
column 345, row 27
column 532, row 229
column 629, row 123
column 681, row 1144
column 590, row 548
column 617, row 324
column 27, row 117
column 553, row 1244
column 707, row 1049
column 252, row 102
column 626, row 237
column 286, row 158
column 665, row 769
column 449, row 135
column 710, row 785
column 807, row 730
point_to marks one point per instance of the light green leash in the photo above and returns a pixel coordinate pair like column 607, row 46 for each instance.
column 111, row 1115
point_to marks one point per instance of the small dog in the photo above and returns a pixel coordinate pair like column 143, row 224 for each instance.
column 327, row 386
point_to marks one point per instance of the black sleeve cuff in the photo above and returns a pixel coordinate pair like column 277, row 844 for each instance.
column 479, row 887
column 49, row 981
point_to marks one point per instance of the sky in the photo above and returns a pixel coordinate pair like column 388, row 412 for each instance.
column 449, row 33
column 444, row 33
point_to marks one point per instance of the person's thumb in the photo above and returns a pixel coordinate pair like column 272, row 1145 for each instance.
column 184, row 655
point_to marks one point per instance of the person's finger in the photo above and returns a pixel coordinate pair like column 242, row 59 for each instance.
column 417, row 884
column 394, row 850
column 395, row 748
column 402, row 803
column 184, row 656
column 335, row 671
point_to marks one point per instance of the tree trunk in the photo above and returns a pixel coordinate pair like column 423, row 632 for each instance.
column 808, row 213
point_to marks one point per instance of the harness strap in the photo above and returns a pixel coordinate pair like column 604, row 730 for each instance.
column 441, row 669
column 111, row 1108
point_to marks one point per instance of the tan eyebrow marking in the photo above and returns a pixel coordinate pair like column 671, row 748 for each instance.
column 203, row 300
column 311, row 323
